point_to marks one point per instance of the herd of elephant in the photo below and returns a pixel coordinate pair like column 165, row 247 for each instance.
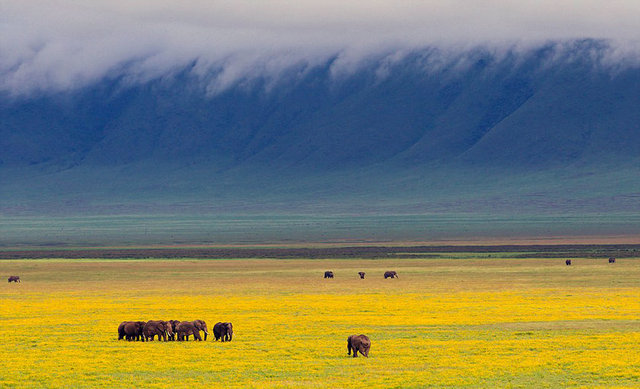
column 387, row 274
column 172, row 330
column 223, row 331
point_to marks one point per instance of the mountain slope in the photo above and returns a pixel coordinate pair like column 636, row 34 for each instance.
column 428, row 132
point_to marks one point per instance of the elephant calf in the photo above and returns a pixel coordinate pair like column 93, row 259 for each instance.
column 359, row 343
column 223, row 331
column 14, row 278
column 328, row 274
column 361, row 274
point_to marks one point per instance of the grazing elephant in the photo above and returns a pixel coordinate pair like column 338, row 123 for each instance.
column 186, row 328
column 328, row 274
column 390, row 274
column 567, row 262
column 359, row 343
column 157, row 327
column 223, row 331
column 361, row 274
column 612, row 260
column 174, row 324
column 14, row 278
column 201, row 326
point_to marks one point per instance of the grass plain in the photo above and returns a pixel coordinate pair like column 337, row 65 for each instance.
column 446, row 322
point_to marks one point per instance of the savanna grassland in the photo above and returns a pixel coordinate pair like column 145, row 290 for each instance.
column 454, row 322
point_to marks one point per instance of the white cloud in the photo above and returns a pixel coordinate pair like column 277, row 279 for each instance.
column 61, row 44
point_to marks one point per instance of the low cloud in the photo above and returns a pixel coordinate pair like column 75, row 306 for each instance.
column 65, row 44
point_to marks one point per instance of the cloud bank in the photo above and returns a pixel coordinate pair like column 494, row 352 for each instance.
column 65, row 44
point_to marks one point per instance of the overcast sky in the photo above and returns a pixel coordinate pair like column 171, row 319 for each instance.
column 63, row 44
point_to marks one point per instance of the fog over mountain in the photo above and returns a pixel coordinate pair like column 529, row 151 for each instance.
column 190, row 113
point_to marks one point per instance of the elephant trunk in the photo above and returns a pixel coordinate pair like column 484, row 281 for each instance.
column 205, row 335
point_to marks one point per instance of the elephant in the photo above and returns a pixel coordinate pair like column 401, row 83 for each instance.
column 14, row 278
column 223, row 331
column 201, row 326
column 121, row 330
column 361, row 274
column 131, row 330
column 612, row 260
column 328, row 274
column 186, row 328
column 359, row 343
column 567, row 262
column 390, row 274
column 157, row 327
column 174, row 324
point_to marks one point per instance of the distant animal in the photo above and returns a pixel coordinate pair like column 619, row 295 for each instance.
column 14, row 278
column 358, row 343
column 201, row 326
column 223, row 331
column 328, row 274
column 612, row 260
column 186, row 328
column 390, row 274
column 361, row 274
column 567, row 262
column 157, row 327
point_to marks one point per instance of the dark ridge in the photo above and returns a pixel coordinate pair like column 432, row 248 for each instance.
column 368, row 252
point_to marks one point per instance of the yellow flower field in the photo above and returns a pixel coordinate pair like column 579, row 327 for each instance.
column 444, row 323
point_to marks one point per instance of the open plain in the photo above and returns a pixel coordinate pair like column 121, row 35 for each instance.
column 452, row 320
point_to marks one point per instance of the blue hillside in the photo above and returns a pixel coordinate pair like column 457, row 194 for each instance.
column 548, row 131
